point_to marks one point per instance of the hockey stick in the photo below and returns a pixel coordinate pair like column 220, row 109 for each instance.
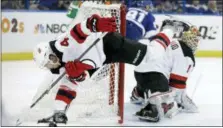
column 19, row 122
column 196, row 85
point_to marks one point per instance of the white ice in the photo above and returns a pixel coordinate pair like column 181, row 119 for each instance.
column 20, row 80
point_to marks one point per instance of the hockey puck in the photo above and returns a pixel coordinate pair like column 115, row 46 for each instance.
column 52, row 124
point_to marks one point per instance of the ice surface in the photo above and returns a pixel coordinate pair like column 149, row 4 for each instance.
column 20, row 80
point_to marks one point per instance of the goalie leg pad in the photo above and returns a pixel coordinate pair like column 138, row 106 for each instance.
column 165, row 103
column 159, row 105
column 184, row 101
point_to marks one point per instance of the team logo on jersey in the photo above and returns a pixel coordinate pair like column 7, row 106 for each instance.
column 65, row 42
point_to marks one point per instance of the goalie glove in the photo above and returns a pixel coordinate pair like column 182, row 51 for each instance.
column 76, row 70
column 100, row 24
column 185, row 102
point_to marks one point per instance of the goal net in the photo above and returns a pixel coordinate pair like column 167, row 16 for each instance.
column 100, row 99
column 102, row 96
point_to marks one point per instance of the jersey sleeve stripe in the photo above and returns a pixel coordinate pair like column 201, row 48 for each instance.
column 161, row 42
column 77, row 34
column 177, row 83
column 64, row 99
column 163, row 37
column 178, row 77
column 65, row 95
column 82, row 34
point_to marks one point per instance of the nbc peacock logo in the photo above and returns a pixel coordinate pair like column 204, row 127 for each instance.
column 39, row 28
column 50, row 28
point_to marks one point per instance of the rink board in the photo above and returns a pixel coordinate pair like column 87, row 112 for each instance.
column 29, row 56
column 18, row 40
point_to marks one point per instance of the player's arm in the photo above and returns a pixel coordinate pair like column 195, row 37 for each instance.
column 79, row 33
column 95, row 23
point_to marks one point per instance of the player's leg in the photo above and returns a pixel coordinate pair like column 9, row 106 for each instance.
column 65, row 95
column 120, row 49
column 154, row 80
column 159, row 100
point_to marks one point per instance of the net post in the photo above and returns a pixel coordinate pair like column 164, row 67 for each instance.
column 122, row 67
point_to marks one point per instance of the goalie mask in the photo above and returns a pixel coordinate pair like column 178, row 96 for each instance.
column 191, row 38
column 44, row 56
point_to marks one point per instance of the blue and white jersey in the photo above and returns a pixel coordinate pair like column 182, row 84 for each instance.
column 139, row 24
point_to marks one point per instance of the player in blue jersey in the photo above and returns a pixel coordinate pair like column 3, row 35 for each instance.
column 140, row 22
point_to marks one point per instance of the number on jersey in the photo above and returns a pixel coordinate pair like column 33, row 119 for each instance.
column 136, row 15
column 65, row 42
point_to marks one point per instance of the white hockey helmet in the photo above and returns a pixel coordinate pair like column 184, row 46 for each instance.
column 42, row 55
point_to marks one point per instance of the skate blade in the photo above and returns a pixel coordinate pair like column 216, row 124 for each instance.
column 148, row 119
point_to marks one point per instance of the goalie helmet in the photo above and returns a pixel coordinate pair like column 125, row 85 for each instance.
column 190, row 33
column 191, row 38
column 44, row 56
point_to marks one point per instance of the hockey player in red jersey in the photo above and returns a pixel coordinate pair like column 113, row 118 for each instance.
column 57, row 54
column 62, row 53
column 172, row 69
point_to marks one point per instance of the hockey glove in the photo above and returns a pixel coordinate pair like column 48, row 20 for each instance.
column 185, row 102
column 99, row 24
column 75, row 70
